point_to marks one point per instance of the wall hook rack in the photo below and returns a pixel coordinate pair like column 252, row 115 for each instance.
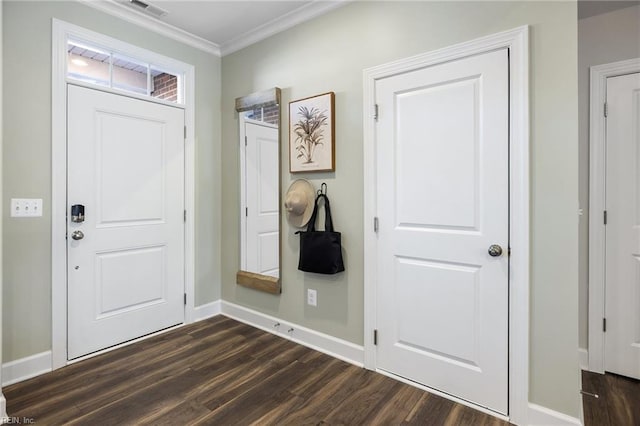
column 323, row 189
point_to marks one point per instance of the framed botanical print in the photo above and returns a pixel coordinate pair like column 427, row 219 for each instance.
column 311, row 134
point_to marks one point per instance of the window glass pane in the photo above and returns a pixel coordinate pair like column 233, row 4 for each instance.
column 164, row 85
column 99, row 66
column 129, row 75
column 269, row 114
column 87, row 64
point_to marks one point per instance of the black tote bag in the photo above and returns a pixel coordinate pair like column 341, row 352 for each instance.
column 320, row 251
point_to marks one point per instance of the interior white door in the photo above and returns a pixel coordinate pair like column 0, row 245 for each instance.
column 126, row 166
column 442, row 201
column 622, row 232
column 262, row 192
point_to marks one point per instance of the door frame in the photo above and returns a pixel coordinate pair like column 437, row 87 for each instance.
column 61, row 31
column 597, row 187
column 517, row 41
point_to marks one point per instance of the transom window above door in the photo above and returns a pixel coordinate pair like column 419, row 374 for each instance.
column 94, row 65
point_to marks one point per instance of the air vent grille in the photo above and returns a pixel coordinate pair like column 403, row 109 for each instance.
column 148, row 8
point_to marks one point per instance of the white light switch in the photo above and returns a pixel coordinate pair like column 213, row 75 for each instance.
column 26, row 207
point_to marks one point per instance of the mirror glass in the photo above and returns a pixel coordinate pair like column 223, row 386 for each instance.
column 259, row 120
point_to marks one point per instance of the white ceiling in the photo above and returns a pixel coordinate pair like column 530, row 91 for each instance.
column 224, row 26
column 221, row 26
column 223, row 21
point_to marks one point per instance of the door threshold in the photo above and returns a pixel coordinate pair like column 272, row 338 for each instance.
column 127, row 343
column 444, row 395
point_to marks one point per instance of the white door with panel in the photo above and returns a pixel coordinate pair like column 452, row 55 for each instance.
column 262, row 198
column 126, row 260
column 442, row 152
column 622, row 280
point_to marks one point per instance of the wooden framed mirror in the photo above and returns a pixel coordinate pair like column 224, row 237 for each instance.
column 259, row 145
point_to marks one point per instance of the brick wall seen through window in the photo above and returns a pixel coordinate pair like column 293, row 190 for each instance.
column 269, row 114
column 165, row 86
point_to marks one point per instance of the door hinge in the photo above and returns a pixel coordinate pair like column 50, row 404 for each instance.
column 185, row 132
column 375, row 337
column 509, row 251
column 184, row 216
column 246, row 211
column 605, row 217
column 375, row 112
column 185, row 298
column 606, row 109
column 245, row 141
column 376, row 224
column 604, row 325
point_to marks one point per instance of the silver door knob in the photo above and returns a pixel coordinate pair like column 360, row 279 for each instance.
column 77, row 235
column 495, row 250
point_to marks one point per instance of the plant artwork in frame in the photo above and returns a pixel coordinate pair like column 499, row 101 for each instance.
column 311, row 130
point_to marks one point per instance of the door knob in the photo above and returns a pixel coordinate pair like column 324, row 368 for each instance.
column 77, row 235
column 495, row 250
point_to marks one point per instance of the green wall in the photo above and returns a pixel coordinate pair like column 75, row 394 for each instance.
column 27, row 161
column 329, row 54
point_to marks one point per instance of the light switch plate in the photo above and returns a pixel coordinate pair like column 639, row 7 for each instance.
column 26, row 207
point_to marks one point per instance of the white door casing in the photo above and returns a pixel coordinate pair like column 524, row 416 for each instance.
column 60, row 32
column 516, row 41
column 599, row 76
column 262, row 180
column 442, row 150
column 126, row 166
column 622, row 231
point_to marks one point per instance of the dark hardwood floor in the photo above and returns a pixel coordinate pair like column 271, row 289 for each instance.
column 618, row 402
column 223, row 372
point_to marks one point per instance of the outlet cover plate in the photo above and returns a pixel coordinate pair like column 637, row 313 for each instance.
column 312, row 297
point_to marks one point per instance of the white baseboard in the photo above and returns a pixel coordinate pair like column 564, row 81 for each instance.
column 206, row 311
column 583, row 356
column 329, row 345
column 542, row 416
column 26, row 368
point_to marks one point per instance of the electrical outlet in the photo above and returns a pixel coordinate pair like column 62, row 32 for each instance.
column 26, row 207
column 312, row 297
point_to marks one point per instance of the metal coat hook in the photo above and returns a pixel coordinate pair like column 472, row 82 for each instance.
column 323, row 189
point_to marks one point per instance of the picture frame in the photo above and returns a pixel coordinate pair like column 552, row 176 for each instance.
column 311, row 134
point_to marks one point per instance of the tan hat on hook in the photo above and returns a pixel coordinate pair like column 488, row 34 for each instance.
column 299, row 202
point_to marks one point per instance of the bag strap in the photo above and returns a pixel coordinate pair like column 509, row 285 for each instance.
column 328, row 222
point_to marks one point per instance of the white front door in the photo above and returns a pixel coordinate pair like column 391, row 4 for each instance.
column 126, row 167
column 262, row 192
column 442, row 200
column 622, row 280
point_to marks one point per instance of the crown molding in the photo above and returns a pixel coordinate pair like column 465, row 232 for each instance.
column 291, row 19
column 121, row 11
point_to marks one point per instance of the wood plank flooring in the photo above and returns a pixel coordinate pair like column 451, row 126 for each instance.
column 222, row 372
column 618, row 402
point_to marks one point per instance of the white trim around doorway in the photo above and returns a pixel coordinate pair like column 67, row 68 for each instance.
column 597, row 202
column 517, row 41
column 60, row 32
